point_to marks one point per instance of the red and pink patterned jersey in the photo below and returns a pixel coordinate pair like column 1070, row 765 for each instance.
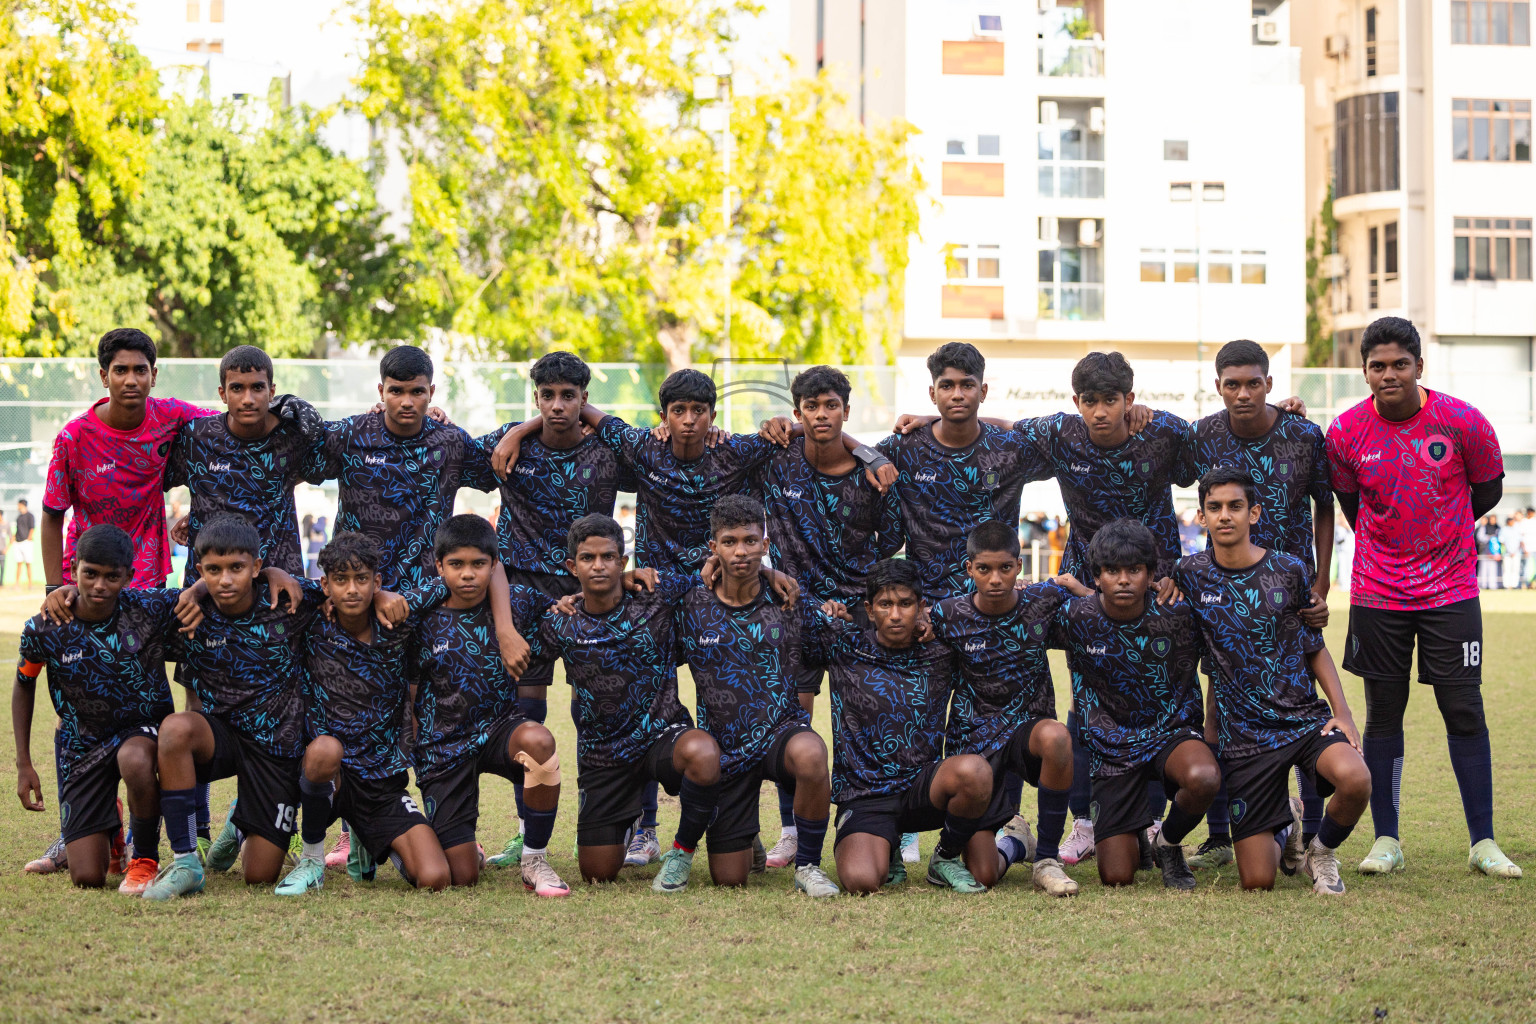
column 113, row 476
column 1413, row 539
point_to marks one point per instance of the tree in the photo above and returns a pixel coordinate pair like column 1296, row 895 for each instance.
column 563, row 193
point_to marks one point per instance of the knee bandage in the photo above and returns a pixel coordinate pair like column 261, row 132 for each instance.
column 536, row 774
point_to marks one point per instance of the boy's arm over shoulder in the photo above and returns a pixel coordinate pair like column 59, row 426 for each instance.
column 627, row 442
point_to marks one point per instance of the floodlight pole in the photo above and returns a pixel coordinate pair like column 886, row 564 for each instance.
column 723, row 69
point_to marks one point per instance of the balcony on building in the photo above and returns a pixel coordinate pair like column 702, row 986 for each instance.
column 973, row 165
column 1366, row 154
column 1071, row 43
column 1071, row 149
column 1071, row 276
column 980, row 54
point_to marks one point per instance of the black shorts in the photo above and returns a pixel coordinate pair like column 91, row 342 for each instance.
column 268, row 804
column 1013, row 757
column 1450, row 641
column 808, row 678
column 1259, row 785
column 1119, row 802
column 737, row 818
column 378, row 811
column 608, row 799
column 553, row 587
column 452, row 797
column 88, row 801
column 891, row 814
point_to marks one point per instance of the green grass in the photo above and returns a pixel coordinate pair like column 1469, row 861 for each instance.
column 1436, row 943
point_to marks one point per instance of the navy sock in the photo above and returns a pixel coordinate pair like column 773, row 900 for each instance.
column 1472, row 761
column 539, row 825
column 648, row 806
column 146, row 836
column 1311, row 806
column 1081, row 785
column 1331, row 834
column 1013, row 791
column 535, row 709
column 957, row 831
column 1384, row 760
column 1053, row 821
column 315, row 802
column 179, row 809
column 1013, row 851
column 698, row 810
column 522, row 808
column 812, row 836
column 1178, row 824
column 787, row 810
column 1157, row 799
column 204, row 794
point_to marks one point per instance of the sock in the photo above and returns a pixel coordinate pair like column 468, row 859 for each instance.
column 1384, row 760
column 1053, row 821
column 1283, row 835
column 204, row 794
column 1157, row 799
column 957, row 831
column 812, row 836
column 1081, row 786
column 530, row 852
column 315, row 804
column 146, row 836
column 517, row 796
column 1013, row 791
column 179, row 809
column 1012, row 849
column 1472, row 761
column 1311, row 806
column 1331, row 834
column 540, row 826
column 648, row 806
column 1177, row 825
column 786, row 809
column 698, row 810
column 345, row 827
column 315, row 850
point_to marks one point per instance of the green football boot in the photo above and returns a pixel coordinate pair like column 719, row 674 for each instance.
column 203, row 846
column 181, row 877
column 295, row 852
column 897, row 875
column 309, row 874
column 676, row 865
column 1490, row 860
column 360, row 863
column 1386, row 856
column 224, row 850
column 951, row 873
column 510, row 856
column 1212, row 854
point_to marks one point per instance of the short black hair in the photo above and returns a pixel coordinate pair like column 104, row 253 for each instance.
column 23, row 501
column 992, row 535
column 1242, row 352
column 734, row 510
column 960, row 355
column 592, row 525
column 1120, row 544
column 561, row 368
column 686, row 386
column 465, row 531
column 1391, row 330
column 1222, row 475
column 107, row 545
column 893, row 572
column 820, row 380
column 405, row 362
column 124, row 339
column 350, row 550
column 245, row 359
column 1102, row 373
column 228, row 534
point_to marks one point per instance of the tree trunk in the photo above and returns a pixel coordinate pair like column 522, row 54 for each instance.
column 677, row 341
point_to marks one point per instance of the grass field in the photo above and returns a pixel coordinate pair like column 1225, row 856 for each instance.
column 1434, row 944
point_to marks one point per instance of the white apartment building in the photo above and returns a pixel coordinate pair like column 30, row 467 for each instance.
column 1104, row 174
column 1419, row 115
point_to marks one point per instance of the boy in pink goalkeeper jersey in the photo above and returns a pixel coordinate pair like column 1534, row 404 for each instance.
column 108, row 463
column 1414, row 469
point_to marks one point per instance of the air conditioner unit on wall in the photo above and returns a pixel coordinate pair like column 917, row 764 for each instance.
column 1336, row 46
column 1088, row 232
column 1333, row 266
column 1096, row 120
column 1267, row 30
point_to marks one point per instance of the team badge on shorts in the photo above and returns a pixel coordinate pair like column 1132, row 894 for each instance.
column 1437, row 448
column 64, row 812
column 431, row 805
column 1237, row 809
column 1093, row 812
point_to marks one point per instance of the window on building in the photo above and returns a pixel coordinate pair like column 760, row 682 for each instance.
column 215, row 10
column 1370, row 42
column 988, row 262
column 1365, row 152
column 1072, row 272
column 954, row 147
column 985, row 145
column 973, row 262
column 1218, row 266
column 988, row 145
column 215, row 46
column 1491, row 23
column 1213, row 192
column 194, row 11
column 1381, row 261
column 1186, row 266
column 957, row 265
column 1181, row 191
column 1175, row 149
column 1153, row 265
column 1493, row 249
column 195, row 45
column 1253, row 267
column 1494, row 130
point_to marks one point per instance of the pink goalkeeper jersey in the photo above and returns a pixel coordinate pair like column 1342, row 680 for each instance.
column 113, row 476
column 1413, row 535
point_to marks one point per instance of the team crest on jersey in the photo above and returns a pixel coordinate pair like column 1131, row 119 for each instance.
column 1437, row 448
column 774, row 632
column 1238, row 808
column 1144, row 467
column 991, row 479
column 586, row 474
column 1160, row 646
column 1277, row 597
column 1038, row 629
column 1283, row 470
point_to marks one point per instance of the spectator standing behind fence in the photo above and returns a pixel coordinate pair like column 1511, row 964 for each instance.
column 1343, row 553
column 1510, row 545
column 1487, row 539
column 1191, row 537
column 25, row 524
column 314, row 541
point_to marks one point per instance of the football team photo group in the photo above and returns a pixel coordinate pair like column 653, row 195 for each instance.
column 362, row 709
